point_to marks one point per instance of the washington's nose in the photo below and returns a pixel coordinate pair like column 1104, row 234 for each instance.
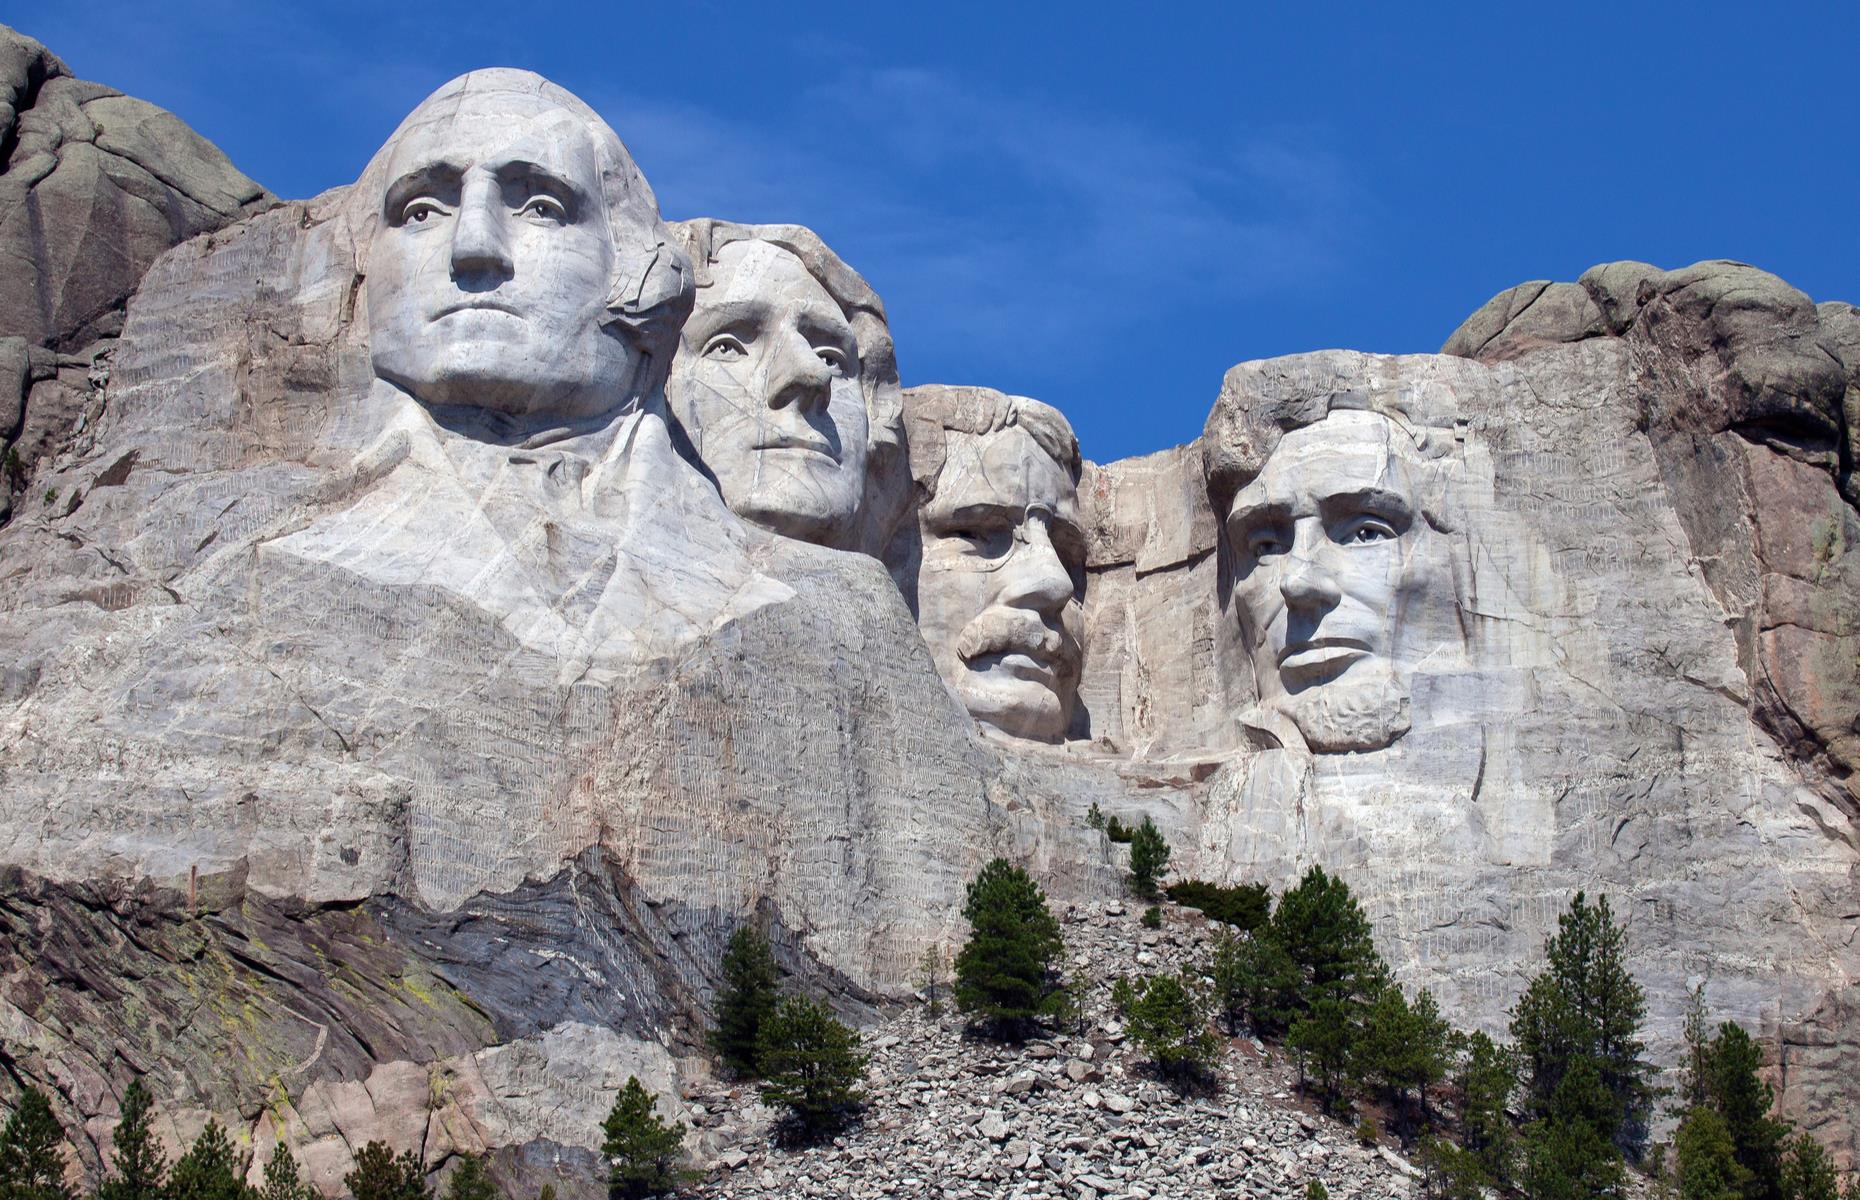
column 1035, row 576
column 796, row 374
column 479, row 246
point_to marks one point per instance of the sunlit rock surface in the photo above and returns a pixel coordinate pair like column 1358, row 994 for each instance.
column 387, row 750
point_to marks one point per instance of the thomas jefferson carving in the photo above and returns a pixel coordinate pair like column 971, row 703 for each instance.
column 997, row 573
column 786, row 386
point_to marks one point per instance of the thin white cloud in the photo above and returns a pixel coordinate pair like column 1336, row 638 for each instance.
column 996, row 226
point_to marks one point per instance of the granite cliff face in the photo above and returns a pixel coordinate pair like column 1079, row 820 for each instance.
column 94, row 186
column 396, row 720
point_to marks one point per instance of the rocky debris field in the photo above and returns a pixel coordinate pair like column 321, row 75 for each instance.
column 1075, row 1115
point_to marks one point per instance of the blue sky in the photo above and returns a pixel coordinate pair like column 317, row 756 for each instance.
column 1097, row 206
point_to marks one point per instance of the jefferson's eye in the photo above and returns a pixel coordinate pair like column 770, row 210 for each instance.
column 544, row 208
column 1265, row 543
column 725, row 348
column 418, row 210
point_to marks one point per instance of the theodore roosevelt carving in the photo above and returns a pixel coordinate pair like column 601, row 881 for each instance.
column 998, row 562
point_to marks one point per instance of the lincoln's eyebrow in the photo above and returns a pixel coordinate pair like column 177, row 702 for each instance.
column 1376, row 500
column 442, row 175
column 1253, row 516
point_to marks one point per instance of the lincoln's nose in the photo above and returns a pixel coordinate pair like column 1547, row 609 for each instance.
column 1308, row 583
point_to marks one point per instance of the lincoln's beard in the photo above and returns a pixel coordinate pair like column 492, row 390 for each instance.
column 1367, row 709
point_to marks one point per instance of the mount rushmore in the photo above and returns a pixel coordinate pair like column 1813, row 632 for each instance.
column 440, row 610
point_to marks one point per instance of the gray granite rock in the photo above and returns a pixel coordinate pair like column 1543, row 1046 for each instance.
column 94, row 185
column 401, row 716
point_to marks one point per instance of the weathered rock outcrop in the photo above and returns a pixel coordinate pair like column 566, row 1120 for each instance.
column 1749, row 394
column 94, row 186
column 393, row 724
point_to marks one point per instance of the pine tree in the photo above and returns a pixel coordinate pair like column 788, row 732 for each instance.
column 283, row 1181
column 641, row 1149
column 1733, row 1089
column 1808, row 1171
column 1433, row 1048
column 32, row 1161
column 1698, row 1043
column 812, row 1064
column 1244, row 906
column 1149, row 858
column 209, row 1170
column 380, row 1174
column 1168, row 1019
column 1586, row 1007
column 745, row 1001
column 1705, row 1158
column 1252, row 972
column 1450, row 1172
column 1006, row 974
column 930, row 966
column 1487, row 1078
column 1566, row 1155
column 1323, row 930
column 470, row 1180
column 1322, row 1039
column 1402, row 1048
column 140, row 1168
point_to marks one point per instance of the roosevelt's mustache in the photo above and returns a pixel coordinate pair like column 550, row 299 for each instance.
column 998, row 632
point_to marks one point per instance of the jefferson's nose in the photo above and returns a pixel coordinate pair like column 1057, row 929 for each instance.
column 479, row 245
column 1035, row 576
column 796, row 374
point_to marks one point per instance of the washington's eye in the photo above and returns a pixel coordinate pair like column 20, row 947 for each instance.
column 419, row 210
column 725, row 348
column 543, row 208
column 833, row 358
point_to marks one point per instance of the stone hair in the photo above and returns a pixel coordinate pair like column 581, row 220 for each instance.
column 1261, row 402
column 934, row 412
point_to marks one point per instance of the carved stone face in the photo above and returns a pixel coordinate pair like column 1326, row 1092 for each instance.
column 491, row 270
column 1340, row 583
column 999, row 584
column 766, row 384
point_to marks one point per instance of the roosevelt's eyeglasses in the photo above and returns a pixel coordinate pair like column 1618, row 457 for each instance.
column 988, row 542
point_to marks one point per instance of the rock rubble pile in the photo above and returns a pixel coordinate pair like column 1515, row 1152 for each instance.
column 1076, row 1114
